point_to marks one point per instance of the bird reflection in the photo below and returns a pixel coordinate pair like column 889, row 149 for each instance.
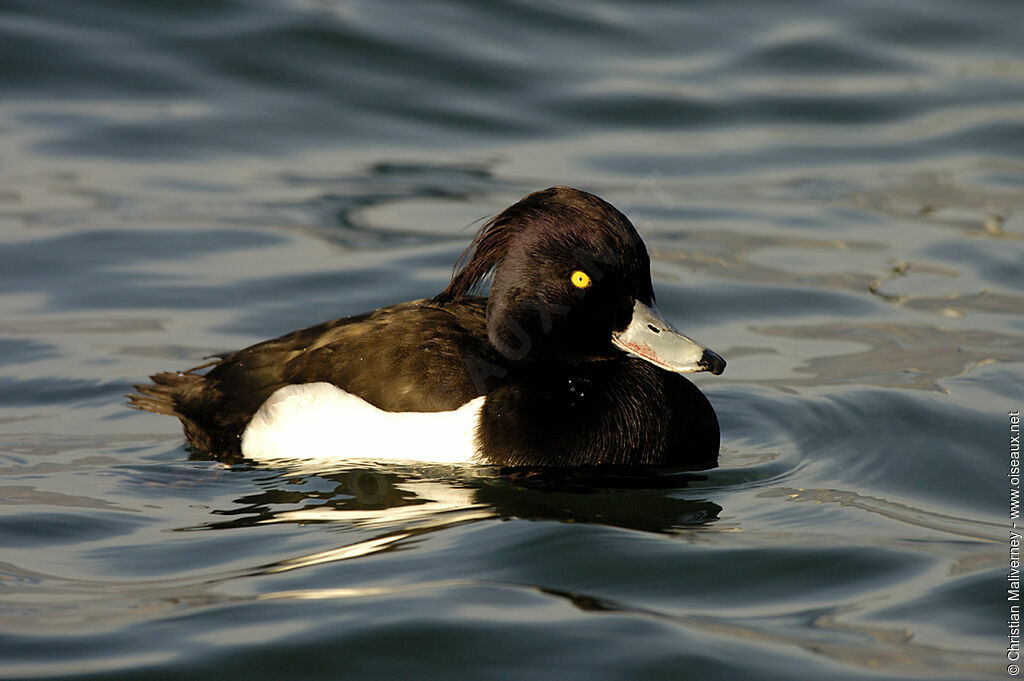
column 653, row 501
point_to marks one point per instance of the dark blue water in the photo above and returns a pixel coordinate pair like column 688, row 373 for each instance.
column 833, row 196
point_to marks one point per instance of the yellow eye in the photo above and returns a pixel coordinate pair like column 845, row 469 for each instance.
column 580, row 279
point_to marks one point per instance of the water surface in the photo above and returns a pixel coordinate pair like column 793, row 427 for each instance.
column 832, row 194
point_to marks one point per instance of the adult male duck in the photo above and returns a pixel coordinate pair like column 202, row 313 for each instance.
column 565, row 363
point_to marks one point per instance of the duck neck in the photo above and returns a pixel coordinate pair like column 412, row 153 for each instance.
column 593, row 413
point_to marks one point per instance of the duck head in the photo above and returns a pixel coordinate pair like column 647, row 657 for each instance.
column 571, row 284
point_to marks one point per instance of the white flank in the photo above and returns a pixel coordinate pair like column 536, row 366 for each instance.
column 322, row 421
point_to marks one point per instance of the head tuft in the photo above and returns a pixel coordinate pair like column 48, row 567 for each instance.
column 578, row 217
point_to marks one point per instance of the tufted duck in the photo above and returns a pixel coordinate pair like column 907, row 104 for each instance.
column 565, row 363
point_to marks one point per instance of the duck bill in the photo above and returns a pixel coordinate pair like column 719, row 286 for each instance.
column 650, row 337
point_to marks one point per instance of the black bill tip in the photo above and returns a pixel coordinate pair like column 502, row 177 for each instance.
column 710, row 361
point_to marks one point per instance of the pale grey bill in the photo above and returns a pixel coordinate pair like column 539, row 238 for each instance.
column 650, row 337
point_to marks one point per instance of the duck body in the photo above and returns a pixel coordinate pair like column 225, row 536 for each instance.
column 564, row 363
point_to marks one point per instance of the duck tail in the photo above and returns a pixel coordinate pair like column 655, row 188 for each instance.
column 162, row 396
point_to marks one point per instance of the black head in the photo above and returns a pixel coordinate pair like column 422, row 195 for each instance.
column 568, row 268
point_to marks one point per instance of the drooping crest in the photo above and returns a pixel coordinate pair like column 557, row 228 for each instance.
column 548, row 210
column 480, row 258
